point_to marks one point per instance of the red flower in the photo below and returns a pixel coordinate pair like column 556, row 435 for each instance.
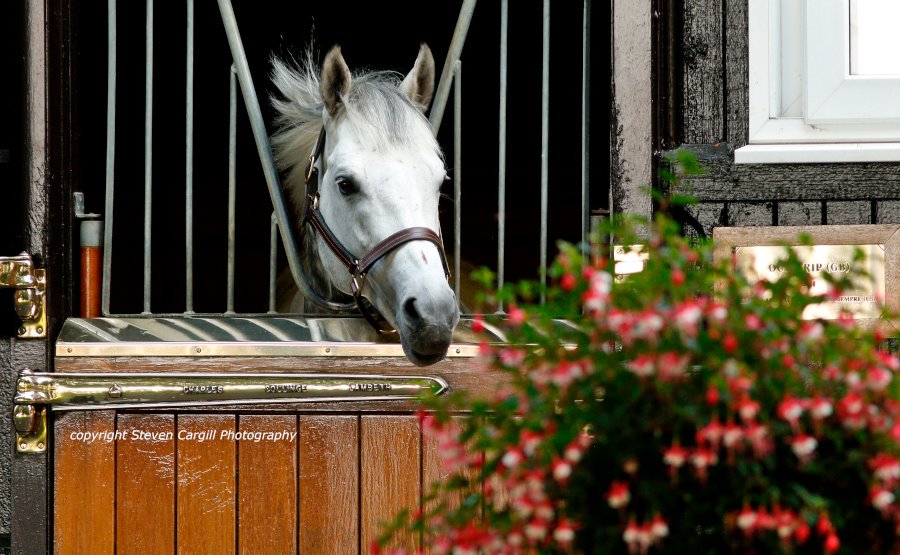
column 477, row 324
column 747, row 408
column 729, row 343
column 746, row 520
column 712, row 396
column 561, row 469
column 801, row 533
column 516, row 316
column 804, row 446
column 564, row 532
column 677, row 277
column 659, row 527
column 832, row 543
column 567, row 282
column 790, row 410
column 881, row 498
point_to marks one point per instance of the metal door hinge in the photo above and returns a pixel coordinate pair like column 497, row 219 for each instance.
column 19, row 273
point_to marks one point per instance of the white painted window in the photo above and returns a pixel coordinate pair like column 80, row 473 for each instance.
column 824, row 81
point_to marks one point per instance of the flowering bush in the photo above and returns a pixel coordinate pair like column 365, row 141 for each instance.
column 658, row 413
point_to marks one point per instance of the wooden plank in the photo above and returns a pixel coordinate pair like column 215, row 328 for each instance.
column 737, row 75
column 799, row 213
column 145, row 484
column 707, row 215
column 632, row 117
column 389, row 469
column 267, row 486
column 435, row 470
column 206, row 484
column 749, row 214
column 888, row 212
column 704, row 87
column 848, row 213
column 725, row 181
column 84, row 481
column 28, row 472
column 329, row 484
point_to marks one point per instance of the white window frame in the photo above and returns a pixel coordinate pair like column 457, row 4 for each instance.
column 848, row 118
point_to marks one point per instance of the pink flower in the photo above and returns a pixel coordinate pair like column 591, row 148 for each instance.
column 648, row 325
column 687, row 318
column 536, row 529
column 821, row 408
column 732, row 435
column 758, row 436
column 530, row 440
column 573, row 451
column 567, row 372
column 618, row 495
column 747, row 408
column 631, row 535
column 511, row 357
column 675, row 456
column 561, row 469
column 564, row 532
column 643, row 366
column 659, row 527
column 878, row 379
column 881, row 498
column 746, row 520
column 516, row 316
column 717, row 312
column 804, row 446
column 886, row 468
column 712, row 433
column 567, row 282
column 790, row 410
column 512, row 458
column 811, row 332
column 672, row 365
column 702, row 459
column 889, row 360
column 753, row 322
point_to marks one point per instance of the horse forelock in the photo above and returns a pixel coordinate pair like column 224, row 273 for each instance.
column 380, row 114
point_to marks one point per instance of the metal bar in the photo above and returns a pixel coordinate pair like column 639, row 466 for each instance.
column 189, row 167
column 545, row 136
column 456, row 46
column 148, row 154
column 457, row 176
column 110, row 150
column 77, row 391
column 232, row 183
column 501, row 176
column 585, row 130
column 251, row 103
column 273, row 261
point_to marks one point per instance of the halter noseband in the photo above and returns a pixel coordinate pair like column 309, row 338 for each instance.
column 359, row 267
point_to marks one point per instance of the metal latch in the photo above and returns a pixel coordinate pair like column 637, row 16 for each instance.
column 38, row 391
column 19, row 273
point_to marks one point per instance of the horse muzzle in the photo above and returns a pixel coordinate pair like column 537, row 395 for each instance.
column 425, row 324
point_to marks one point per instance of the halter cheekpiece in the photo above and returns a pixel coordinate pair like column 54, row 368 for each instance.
column 359, row 267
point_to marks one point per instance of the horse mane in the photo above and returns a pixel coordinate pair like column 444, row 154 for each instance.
column 381, row 114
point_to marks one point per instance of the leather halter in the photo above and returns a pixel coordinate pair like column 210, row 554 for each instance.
column 359, row 267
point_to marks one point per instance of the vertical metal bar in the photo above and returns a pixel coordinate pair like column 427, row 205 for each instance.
column 148, row 153
column 110, row 150
column 456, row 46
column 501, row 147
column 260, row 136
column 457, row 176
column 189, row 167
column 545, row 135
column 273, row 260
column 232, row 183
column 585, row 129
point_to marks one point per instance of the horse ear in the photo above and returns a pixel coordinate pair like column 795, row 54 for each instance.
column 335, row 80
column 418, row 85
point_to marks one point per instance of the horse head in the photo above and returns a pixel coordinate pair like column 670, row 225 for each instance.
column 383, row 171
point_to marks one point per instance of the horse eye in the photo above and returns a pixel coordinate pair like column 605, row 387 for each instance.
column 346, row 186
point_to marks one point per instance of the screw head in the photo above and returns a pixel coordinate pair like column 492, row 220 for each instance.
column 40, row 445
column 23, row 446
column 458, row 351
column 22, row 330
column 327, row 349
column 39, row 330
column 68, row 349
column 199, row 350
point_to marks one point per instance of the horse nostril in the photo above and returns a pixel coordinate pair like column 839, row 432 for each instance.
column 409, row 308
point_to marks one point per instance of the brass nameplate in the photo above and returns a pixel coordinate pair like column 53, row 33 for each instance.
column 76, row 391
column 864, row 300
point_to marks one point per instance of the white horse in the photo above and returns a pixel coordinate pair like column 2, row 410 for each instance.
column 383, row 174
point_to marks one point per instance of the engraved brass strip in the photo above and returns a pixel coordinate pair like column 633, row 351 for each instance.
column 243, row 349
column 77, row 391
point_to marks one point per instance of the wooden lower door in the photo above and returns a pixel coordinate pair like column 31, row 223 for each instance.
column 233, row 483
